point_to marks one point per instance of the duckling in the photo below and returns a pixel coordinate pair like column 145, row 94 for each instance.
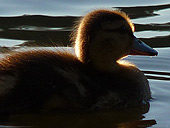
column 93, row 79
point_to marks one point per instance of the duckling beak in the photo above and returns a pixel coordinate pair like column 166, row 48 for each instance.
column 140, row 48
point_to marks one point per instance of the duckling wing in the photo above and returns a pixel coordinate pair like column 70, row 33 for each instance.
column 31, row 79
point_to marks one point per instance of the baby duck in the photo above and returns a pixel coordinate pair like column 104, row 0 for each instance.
column 94, row 79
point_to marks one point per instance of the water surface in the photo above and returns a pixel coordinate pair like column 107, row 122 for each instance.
column 48, row 23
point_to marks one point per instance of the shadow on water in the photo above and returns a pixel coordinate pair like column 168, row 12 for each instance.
column 39, row 30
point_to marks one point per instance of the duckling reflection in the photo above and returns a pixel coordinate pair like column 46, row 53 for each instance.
column 94, row 79
column 127, row 118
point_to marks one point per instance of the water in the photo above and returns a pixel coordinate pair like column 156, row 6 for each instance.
column 158, row 70
column 38, row 23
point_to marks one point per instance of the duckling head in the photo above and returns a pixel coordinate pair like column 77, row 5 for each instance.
column 104, row 36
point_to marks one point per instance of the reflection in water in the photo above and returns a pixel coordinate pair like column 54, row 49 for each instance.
column 143, row 11
column 39, row 30
column 27, row 28
column 157, row 75
column 138, row 124
column 127, row 118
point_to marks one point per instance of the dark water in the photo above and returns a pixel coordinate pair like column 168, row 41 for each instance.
column 36, row 24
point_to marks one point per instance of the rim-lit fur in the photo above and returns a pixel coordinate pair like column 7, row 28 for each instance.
column 88, row 25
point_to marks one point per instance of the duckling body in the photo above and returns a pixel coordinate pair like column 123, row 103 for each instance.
column 40, row 80
column 35, row 81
